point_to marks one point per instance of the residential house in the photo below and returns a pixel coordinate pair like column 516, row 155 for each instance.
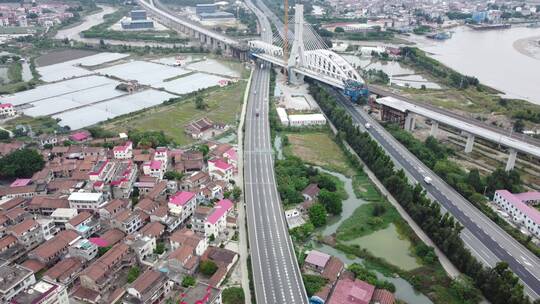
column 7, row 110
column 83, row 249
column 113, row 207
column 15, row 279
column 128, row 221
column 124, row 151
column 91, row 201
column 142, row 246
column 184, row 260
column 311, row 192
column 65, row 272
column 48, row 228
column 46, row 205
column 220, row 170
column 182, row 204
column 43, row 292
column 213, row 222
column 153, row 229
column 348, row 291
column 27, row 232
column 61, row 216
column 52, row 250
column 224, row 259
column 150, row 287
column 186, row 237
column 99, row 274
column 202, row 293
column 316, row 261
column 84, row 224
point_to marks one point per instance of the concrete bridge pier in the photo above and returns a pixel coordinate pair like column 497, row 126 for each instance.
column 511, row 160
column 470, row 143
column 434, row 128
column 295, row 78
column 410, row 122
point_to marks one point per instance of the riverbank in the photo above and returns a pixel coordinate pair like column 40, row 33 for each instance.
column 374, row 232
column 529, row 46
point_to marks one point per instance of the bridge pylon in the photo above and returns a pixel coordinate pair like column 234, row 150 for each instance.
column 296, row 57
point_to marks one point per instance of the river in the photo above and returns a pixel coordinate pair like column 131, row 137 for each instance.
column 74, row 32
column 506, row 60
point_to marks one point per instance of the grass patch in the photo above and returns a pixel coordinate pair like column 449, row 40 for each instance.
column 318, row 148
column 367, row 219
column 224, row 104
column 39, row 125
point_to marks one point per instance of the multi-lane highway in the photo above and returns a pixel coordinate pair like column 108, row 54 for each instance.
column 486, row 240
column 276, row 275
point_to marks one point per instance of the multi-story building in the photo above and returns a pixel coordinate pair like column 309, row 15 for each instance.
column 142, row 246
column 214, row 222
column 123, row 152
column 99, row 274
column 182, row 204
column 220, row 170
column 128, row 221
column 54, row 249
column 61, row 216
column 48, row 228
column 84, row 224
column 123, row 179
column 27, row 232
column 186, row 237
column 6, row 110
column 91, row 201
column 84, row 249
column 516, row 207
column 15, row 279
column 150, row 287
column 43, row 292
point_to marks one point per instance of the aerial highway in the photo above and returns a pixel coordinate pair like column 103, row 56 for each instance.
column 276, row 275
column 484, row 238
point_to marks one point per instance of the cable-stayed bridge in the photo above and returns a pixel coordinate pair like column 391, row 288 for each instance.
column 309, row 56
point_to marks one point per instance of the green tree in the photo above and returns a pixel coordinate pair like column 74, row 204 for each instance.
column 4, row 135
column 313, row 283
column 325, row 181
column 317, row 215
column 188, row 281
column 339, row 30
column 208, row 267
column 331, row 201
column 21, row 163
column 236, row 193
column 464, row 288
column 160, row 248
column 474, row 180
column 519, row 126
column 133, row 274
column 200, row 103
column 103, row 250
column 204, row 149
column 233, row 295
column 173, row 175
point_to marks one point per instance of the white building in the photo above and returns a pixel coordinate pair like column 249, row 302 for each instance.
column 216, row 222
column 87, row 201
column 515, row 205
column 48, row 228
column 182, row 204
column 300, row 120
column 62, row 215
column 44, row 292
column 123, row 152
column 83, row 248
column 283, row 117
column 6, row 110
column 15, row 279
column 220, row 170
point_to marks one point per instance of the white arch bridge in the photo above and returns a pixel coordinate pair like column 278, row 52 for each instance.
column 309, row 56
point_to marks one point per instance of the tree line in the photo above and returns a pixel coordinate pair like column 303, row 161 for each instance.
column 498, row 284
column 471, row 185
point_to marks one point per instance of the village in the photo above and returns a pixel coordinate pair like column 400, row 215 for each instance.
column 125, row 223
